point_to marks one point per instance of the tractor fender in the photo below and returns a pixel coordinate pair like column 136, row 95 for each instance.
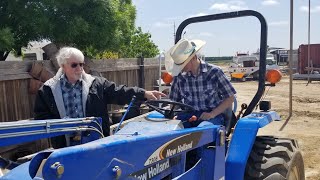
column 242, row 141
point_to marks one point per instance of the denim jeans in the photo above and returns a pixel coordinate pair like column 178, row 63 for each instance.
column 194, row 155
column 184, row 117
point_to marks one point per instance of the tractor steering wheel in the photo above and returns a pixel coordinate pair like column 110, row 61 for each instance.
column 169, row 113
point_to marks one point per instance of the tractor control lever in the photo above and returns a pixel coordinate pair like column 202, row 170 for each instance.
column 243, row 107
column 132, row 100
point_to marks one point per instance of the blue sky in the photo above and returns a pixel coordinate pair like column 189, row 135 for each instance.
column 226, row 37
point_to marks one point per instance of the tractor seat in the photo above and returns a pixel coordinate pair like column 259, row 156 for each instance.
column 230, row 119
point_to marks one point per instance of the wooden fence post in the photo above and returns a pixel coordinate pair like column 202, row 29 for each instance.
column 51, row 50
column 141, row 73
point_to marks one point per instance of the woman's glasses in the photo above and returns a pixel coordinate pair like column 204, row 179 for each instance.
column 74, row 65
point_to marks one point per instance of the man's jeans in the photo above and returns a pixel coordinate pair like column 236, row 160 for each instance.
column 218, row 120
column 194, row 155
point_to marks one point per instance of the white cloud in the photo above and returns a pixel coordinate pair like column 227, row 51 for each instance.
column 199, row 14
column 206, row 34
column 162, row 24
column 138, row 2
column 229, row 6
column 278, row 23
column 191, row 35
column 312, row 9
column 174, row 18
column 269, row 2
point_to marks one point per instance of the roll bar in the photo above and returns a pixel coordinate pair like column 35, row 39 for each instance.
column 263, row 44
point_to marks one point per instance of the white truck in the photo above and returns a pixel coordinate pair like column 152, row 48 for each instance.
column 245, row 66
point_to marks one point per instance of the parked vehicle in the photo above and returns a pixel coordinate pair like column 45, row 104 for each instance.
column 247, row 66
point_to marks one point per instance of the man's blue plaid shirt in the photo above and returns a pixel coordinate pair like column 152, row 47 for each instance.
column 72, row 98
column 205, row 91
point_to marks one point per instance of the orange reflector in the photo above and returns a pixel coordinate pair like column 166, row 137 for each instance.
column 166, row 77
column 237, row 75
column 273, row 76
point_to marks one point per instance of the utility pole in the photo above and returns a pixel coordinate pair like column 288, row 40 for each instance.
column 174, row 32
column 290, row 57
column 290, row 67
column 309, row 45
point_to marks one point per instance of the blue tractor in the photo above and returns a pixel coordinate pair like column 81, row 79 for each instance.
column 154, row 146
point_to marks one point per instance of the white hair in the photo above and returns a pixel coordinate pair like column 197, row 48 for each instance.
column 66, row 53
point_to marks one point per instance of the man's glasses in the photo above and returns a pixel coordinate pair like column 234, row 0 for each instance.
column 74, row 65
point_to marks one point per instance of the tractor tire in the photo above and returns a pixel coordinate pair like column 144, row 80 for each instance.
column 274, row 158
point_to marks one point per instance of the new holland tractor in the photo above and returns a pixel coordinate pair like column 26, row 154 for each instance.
column 156, row 146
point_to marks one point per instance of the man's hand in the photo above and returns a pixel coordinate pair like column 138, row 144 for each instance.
column 153, row 95
column 207, row 116
column 193, row 118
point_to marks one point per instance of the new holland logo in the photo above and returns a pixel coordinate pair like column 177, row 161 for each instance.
column 156, row 169
column 175, row 146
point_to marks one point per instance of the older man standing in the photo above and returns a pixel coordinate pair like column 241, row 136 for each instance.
column 73, row 93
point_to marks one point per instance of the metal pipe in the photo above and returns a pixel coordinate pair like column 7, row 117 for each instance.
column 263, row 44
column 160, row 68
column 62, row 130
column 16, row 126
column 290, row 66
column 174, row 32
column 309, row 45
column 28, row 133
column 36, row 123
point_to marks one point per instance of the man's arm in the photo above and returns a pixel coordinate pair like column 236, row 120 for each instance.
column 41, row 107
column 219, row 109
column 226, row 91
column 153, row 95
column 122, row 94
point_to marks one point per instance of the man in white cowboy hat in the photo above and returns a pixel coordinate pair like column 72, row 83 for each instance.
column 197, row 83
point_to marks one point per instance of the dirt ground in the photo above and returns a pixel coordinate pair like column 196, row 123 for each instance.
column 304, row 124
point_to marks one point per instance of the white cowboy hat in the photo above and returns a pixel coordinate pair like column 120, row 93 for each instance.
column 180, row 54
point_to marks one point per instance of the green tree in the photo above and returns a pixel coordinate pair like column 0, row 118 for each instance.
column 102, row 25
column 18, row 25
column 140, row 44
column 6, row 42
